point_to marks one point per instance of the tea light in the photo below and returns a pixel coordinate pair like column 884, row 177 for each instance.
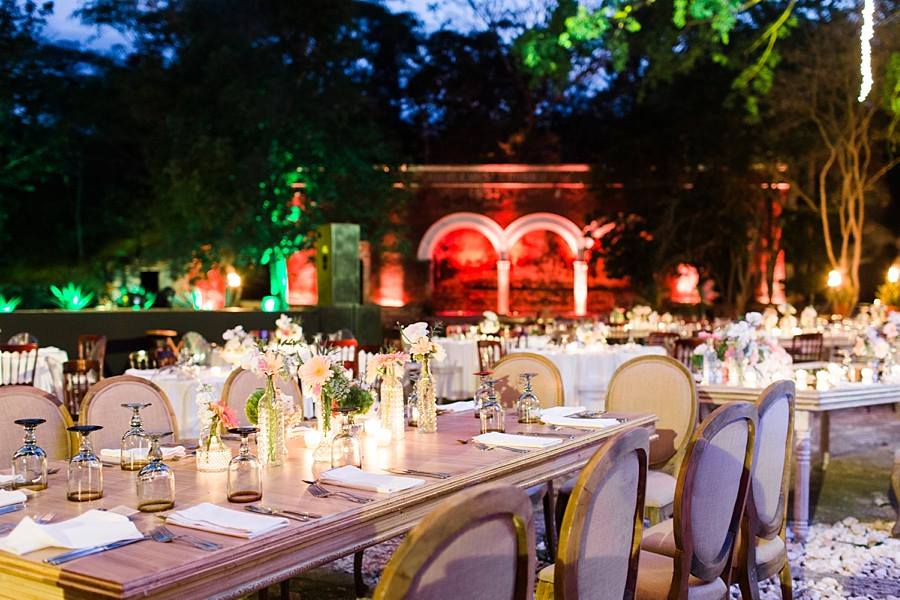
column 867, row 375
column 801, row 377
column 312, row 437
column 822, row 381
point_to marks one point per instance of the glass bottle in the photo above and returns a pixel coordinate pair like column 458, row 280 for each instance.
column 412, row 402
column 29, row 463
column 393, row 417
column 244, row 471
column 528, row 407
column 135, row 445
column 84, row 478
column 492, row 418
column 427, row 401
column 271, row 439
column 481, row 394
column 156, row 481
column 346, row 448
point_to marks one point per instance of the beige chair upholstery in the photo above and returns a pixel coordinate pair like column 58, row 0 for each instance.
column 709, row 503
column 477, row 544
column 547, row 385
column 103, row 406
column 241, row 383
column 28, row 402
column 600, row 535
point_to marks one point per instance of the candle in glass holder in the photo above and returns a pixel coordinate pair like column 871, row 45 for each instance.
column 801, row 378
column 312, row 437
column 867, row 375
column 822, row 383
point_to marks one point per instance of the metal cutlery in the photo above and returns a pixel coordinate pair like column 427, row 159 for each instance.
column 485, row 447
column 436, row 475
column 52, row 470
column 165, row 535
column 316, row 489
column 12, row 508
column 288, row 514
column 67, row 556
column 548, row 435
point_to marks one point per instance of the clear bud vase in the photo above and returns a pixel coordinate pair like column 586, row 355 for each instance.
column 322, row 453
column 271, row 421
column 393, row 414
column 427, row 401
column 213, row 455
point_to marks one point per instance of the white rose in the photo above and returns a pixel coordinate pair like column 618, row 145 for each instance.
column 413, row 332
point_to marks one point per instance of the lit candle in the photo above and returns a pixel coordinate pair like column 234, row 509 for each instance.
column 801, row 378
column 868, row 375
column 312, row 437
column 822, row 383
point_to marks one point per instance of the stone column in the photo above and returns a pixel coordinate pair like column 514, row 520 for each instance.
column 503, row 286
column 580, row 287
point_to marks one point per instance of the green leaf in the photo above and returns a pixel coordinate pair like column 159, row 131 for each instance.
column 252, row 407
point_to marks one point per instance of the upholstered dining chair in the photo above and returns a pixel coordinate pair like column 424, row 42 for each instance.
column 102, row 405
column 683, row 350
column 29, row 402
column 477, row 544
column 92, row 346
column 600, row 537
column 78, row 377
column 489, row 352
column 762, row 547
column 241, row 383
column 691, row 555
column 664, row 387
column 18, row 363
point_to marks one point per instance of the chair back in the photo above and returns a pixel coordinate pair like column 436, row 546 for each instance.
column 664, row 387
column 711, row 491
column 547, row 385
column 477, row 544
column 78, row 376
column 18, row 364
column 28, row 402
column 345, row 350
column 683, row 350
column 666, row 339
column 241, row 383
column 771, row 474
column 92, row 346
column 102, row 406
column 141, row 359
column 807, row 347
column 600, row 536
column 489, row 352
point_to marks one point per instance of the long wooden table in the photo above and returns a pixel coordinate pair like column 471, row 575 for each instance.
column 809, row 402
column 177, row 571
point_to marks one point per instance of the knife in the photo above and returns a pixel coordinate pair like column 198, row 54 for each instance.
column 12, row 508
column 397, row 471
column 268, row 510
column 67, row 556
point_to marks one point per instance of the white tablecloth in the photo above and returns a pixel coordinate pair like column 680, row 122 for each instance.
column 586, row 372
column 49, row 376
column 182, row 389
column 455, row 375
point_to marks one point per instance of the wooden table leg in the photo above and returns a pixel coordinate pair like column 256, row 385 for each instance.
column 895, row 486
column 800, row 522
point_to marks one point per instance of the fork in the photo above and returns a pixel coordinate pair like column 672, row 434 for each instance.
column 318, row 491
column 481, row 446
column 165, row 535
column 40, row 520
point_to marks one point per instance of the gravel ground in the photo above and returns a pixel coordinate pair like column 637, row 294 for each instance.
column 849, row 554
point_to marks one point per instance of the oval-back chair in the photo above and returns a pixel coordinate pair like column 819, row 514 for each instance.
column 29, row 402
column 547, row 385
column 102, row 405
column 241, row 383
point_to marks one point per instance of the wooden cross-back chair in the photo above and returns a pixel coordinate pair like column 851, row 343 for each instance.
column 78, row 377
column 807, row 347
column 683, row 350
column 691, row 554
column 477, row 544
column 489, row 352
column 18, row 363
column 666, row 339
column 600, row 536
column 92, row 346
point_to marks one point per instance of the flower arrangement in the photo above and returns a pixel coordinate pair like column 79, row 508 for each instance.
column 287, row 330
column 876, row 343
column 420, row 342
column 490, row 323
column 743, row 344
column 383, row 365
column 324, row 376
column 213, row 414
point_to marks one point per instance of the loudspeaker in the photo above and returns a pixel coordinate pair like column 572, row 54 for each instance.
column 337, row 263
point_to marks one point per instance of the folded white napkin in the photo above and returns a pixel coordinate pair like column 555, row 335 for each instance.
column 114, row 456
column 93, row 528
column 455, row 407
column 354, row 477
column 558, row 415
column 10, row 497
column 6, row 480
column 495, row 438
column 218, row 519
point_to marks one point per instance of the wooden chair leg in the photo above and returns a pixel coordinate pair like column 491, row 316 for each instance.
column 359, row 585
column 787, row 585
column 285, row 589
column 263, row 594
column 550, row 520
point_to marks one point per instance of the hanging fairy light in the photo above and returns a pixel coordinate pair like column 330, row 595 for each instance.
column 865, row 39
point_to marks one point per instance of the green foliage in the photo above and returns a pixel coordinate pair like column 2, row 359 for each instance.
column 7, row 305
column 192, row 299
column 252, row 407
column 135, row 297
column 359, row 399
column 71, row 297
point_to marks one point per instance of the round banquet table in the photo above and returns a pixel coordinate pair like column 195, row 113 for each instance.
column 181, row 389
column 586, row 371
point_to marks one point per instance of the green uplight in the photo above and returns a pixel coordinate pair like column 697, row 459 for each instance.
column 270, row 304
column 71, row 297
column 7, row 305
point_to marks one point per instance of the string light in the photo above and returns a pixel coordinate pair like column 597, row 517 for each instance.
column 865, row 39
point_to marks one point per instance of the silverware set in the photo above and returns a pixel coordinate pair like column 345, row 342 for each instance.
column 416, row 472
column 564, row 436
column 316, row 489
column 12, row 508
column 67, row 556
column 486, row 447
column 594, row 414
column 165, row 535
column 301, row 516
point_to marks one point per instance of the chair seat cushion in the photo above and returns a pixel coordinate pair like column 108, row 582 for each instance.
column 660, row 489
column 767, row 551
column 660, row 539
column 546, row 574
column 655, row 577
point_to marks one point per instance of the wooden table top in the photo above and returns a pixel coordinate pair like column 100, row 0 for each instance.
column 848, row 395
column 177, row 571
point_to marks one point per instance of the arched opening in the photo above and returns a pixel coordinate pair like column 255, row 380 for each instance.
column 541, row 274
column 464, row 274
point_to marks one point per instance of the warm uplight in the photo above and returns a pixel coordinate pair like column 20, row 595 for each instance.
column 233, row 279
column 835, row 279
column 893, row 274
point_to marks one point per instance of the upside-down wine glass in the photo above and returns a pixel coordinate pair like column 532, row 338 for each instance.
column 244, row 471
column 29, row 463
column 84, row 480
column 156, row 481
column 482, row 393
column 135, row 445
column 492, row 418
column 528, row 407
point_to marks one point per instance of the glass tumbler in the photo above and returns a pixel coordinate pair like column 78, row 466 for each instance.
column 84, row 478
column 528, row 408
column 244, row 471
column 346, row 448
column 156, row 481
column 135, row 445
column 29, row 463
